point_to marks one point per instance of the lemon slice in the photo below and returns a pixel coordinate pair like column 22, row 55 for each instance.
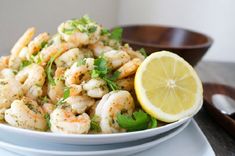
column 167, row 87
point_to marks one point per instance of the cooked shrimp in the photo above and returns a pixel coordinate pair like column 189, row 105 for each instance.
column 116, row 58
column 64, row 120
column 56, row 92
column 26, row 113
column 10, row 89
column 78, row 37
column 54, row 51
column 96, row 88
column 76, row 74
column 129, row 68
column 110, row 105
column 91, row 111
column 75, row 90
column 38, row 43
column 126, row 84
column 23, row 41
column 79, row 104
column 48, row 107
column 99, row 48
column 133, row 54
column 31, row 76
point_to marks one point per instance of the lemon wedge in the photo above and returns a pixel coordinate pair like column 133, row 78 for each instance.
column 167, row 87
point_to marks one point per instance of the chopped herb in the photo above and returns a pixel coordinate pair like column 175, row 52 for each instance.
column 69, row 31
column 44, row 99
column 47, row 117
column 92, row 29
column 43, row 44
column 116, row 34
column 101, row 70
column 81, row 62
column 24, row 64
column 95, row 124
column 138, row 121
column 142, row 51
column 49, row 72
column 104, row 31
column 65, row 96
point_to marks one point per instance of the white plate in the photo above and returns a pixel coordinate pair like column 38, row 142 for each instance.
column 86, row 139
column 35, row 149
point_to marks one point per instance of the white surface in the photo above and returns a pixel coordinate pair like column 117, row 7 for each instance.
column 213, row 17
column 190, row 141
column 87, row 139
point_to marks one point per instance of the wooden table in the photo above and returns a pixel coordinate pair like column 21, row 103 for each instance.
column 224, row 73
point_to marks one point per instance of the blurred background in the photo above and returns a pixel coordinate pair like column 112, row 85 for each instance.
column 212, row 17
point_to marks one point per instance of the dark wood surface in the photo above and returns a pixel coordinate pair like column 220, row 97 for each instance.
column 224, row 73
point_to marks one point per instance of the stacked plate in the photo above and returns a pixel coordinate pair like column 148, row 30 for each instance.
column 33, row 143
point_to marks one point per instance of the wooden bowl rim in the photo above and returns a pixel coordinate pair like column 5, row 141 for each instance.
column 204, row 45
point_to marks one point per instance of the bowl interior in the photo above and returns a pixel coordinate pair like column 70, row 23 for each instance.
column 160, row 36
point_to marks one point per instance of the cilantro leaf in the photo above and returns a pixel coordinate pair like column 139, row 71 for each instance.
column 49, row 72
column 142, row 51
column 95, row 126
column 24, row 64
column 152, row 123
column 116, row 34
column 92, row 29
column 65, row 96
column 101, row 70
column 47, row 117
column 138, row 121
column 104, row 31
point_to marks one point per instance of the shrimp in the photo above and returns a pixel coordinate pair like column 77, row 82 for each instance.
column 64, row 120
column 133, row 54
column 129, row 68
column 79, row 104
column 69, row 57
column 116, row 58
column 75, row 89
column 38, row 43
column 126, row 84
column 4, row 61
column 48, row 107
column 110, row 105
column 56, row 92
column 99, row 48
column 96, row 88
column 76, row 74
column 26, row 113
column 78, row 37
column 10, row 90
column 32, row 79
column 54, row 51
column 23, row 41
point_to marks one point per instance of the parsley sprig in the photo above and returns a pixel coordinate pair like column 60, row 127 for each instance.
column 95, row 126
column 143, row 52
column 24, row 63
column 49, row 71
column 47, row 117
column 138, row 121
column 101, row 70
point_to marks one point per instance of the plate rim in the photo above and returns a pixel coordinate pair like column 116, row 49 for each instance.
column 112, row 151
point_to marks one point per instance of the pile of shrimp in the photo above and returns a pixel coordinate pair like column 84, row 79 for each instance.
column 47, row 83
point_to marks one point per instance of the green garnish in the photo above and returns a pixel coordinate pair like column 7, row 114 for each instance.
column 84, row 24
column 101, row 70
column 47, row 117
column 116, row 34
column 43, row 44
column 104, row 31
column 24, row 64
column 92, row 29
column 65, row 96
column 138, row 121
column 81, row 62
column 95, row 126
column 143, row 52
column 49, row 72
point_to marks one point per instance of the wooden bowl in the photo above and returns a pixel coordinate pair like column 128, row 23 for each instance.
column 188, row 44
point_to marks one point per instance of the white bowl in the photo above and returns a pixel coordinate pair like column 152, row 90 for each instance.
column 51, row 149
column 86, row 139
